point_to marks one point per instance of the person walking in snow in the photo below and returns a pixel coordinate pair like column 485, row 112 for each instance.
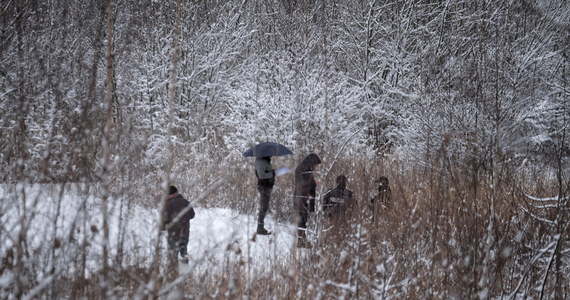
column 178, row 213
column 305, row 191
column 265, row 181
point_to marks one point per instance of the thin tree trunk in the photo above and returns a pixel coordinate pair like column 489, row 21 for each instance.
column 107, row 141
column 171, row 102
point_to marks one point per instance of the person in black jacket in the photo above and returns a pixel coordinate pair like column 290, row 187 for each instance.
column 265, row 181
column 339, row 207
column 383, row 200
column 305, row 191
column 339, row 203
column 177, row 217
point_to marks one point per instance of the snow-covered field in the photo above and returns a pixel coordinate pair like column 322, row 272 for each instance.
column 217, row 236
column 49, row 235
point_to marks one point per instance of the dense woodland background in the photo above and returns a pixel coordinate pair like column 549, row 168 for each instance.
column 464, row 105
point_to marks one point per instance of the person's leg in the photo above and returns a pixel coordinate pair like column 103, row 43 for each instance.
column 183, row 249
column 302, row 218
column 173, row 247
column 264, row 198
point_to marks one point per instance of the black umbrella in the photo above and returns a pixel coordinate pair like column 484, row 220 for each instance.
column 267, row 149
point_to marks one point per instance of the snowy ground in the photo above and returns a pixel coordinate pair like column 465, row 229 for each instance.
column 217, row 236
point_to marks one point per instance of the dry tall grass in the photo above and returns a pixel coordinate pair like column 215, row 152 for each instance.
column 449, row 233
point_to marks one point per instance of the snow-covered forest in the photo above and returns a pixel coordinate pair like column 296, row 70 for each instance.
column 464, row 105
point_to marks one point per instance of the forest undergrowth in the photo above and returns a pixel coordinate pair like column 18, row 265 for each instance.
column 101, row 110
column 451, row 231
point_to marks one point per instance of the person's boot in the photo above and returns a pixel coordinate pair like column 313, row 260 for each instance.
column 185, row 259
column 302, row 241
column 261, row 230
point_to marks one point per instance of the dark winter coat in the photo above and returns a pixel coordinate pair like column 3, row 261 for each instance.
column 265, row 174
column 381, row 202
column 305, row 184
column 178, row 225
column 339, row 203
column 383, row 199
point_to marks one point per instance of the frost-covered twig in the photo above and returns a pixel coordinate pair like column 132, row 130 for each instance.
column 549, row 206
column 343, row 286
column 391, row 277
column 538, row 218
column 529, row 267
column 550, row 262
column 34, row 292
column 548, row 199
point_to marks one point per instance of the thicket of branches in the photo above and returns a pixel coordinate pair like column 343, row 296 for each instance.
column 405, row 76
column 465, row 104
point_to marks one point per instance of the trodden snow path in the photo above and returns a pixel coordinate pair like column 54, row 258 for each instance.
column 218, row 236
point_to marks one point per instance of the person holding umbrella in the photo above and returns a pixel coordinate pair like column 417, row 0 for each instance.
column 265, row 181
column 265, row 177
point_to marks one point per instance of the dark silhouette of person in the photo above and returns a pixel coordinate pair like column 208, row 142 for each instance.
column 339, row 207
column 265, row 181
column 339, row 203
column 177, row 217
column 305, row 191
column 383, row 199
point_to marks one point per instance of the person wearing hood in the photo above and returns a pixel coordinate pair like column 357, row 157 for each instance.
column 383, row 200
column 178, row 213
column 305, row 192
column 265, row 181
